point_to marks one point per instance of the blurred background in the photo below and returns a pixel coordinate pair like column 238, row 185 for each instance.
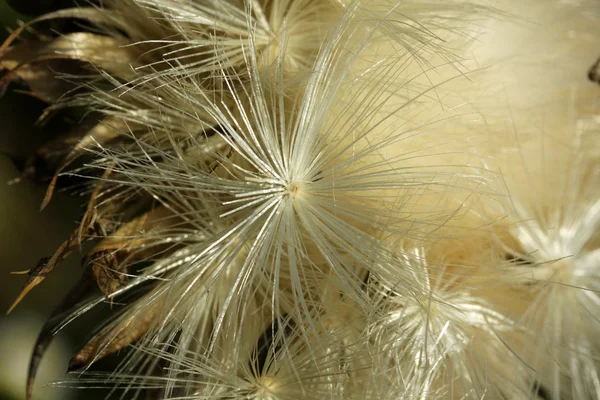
column 26, row 235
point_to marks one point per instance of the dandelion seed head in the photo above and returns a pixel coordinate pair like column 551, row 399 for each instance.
column 306, row 199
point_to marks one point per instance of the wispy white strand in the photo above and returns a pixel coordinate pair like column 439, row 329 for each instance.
column 294, row 144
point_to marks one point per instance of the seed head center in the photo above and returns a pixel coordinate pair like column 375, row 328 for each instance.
column 293, row 188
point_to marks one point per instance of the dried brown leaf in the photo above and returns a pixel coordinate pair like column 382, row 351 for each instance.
column 36, row 62
column 77, row 302
column 130, row 235
column 103, row 132
column 39, row 77
column 108, row 271
column 107, row 53
column 107, row 257
column 94, row 15
column 47, row 264
column 50, row 157
column 116, row 336
column 62, row 313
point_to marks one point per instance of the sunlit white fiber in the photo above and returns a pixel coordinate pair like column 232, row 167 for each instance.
column 442, row 338
column 306, row 181
column 552, row 236
column 286, row 191
column 215, row 34
column 275, row 362
column 541, row 115
column 317, row 163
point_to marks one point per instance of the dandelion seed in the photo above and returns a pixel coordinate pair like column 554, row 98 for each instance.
column 431, row 333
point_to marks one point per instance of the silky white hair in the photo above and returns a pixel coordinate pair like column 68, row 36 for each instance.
column 350, row 199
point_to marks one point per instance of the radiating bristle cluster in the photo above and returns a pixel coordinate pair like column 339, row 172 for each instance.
column 324, row 199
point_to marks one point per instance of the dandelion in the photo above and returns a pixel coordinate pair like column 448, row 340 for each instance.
column 299, row 199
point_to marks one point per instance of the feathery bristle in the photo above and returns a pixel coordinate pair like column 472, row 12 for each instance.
column 310, row 199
